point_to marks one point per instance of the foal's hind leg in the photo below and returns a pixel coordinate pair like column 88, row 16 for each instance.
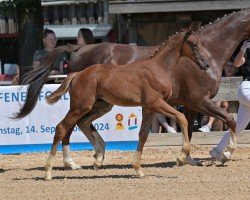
column 162, row 107
column 147, row 117
column 67, row 160
column 100, row 108
column 61, row 129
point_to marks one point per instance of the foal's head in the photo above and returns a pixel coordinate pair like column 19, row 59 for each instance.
column 192, row 48
column 179, row 45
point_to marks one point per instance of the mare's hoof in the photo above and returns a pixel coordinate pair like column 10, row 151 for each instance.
column 219, row 156
column 72, row 166
column 188, row 161
column 97, row 165
column 48, row 178
column 140, row 174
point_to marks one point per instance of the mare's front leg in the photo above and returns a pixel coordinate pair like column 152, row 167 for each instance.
column 147, row 117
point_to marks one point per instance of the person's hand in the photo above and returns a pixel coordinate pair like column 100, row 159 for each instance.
column 245, row 46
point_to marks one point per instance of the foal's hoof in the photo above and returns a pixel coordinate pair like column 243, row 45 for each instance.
column 140, row 174
column 48, row 178
column 188, row 161
column 72, row 166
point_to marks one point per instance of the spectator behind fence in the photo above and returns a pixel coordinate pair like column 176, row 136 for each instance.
column 216, row 124
column 15, row 80
column 158, row 120
column 84, row 37
column 49, row 42
column 242, row 60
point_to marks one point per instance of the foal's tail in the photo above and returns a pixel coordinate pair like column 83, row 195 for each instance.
column 64, row 87
column 36, row 78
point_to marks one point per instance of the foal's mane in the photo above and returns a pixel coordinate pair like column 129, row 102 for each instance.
column 170, row 42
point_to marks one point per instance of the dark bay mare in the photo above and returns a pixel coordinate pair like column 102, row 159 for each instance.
column 147, row 83
column 194, row 88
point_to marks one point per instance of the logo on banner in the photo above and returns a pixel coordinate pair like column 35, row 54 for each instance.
column 119, row 125
column 132, row 121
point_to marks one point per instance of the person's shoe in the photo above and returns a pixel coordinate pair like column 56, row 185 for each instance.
column 219, row 155
column 170, row 129
column 205, row 128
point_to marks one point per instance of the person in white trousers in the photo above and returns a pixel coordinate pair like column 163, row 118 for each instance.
column 222, row 151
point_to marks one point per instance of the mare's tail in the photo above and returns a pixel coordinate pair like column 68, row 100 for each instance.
column 64, row 87
column 36, row 78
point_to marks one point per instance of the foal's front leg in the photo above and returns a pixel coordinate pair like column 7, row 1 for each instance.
column 162, row 107
column 190, row 115
column 147, row 117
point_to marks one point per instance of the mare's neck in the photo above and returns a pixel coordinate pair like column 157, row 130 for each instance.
column 221, row 38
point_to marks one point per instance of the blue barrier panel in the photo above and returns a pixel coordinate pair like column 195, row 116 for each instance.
column 17, row 149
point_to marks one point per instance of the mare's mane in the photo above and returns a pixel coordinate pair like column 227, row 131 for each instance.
column 219, row 20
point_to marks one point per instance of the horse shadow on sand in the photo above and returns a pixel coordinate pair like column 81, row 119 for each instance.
column 168, row 164
column 124, row 176
column 206, row 162
column 3, row 170
column 113, row 166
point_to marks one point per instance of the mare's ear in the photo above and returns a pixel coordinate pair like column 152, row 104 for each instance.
column 194, row 26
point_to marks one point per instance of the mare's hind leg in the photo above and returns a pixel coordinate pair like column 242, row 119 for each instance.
column 162, row 107
column 147, row 117
column 100, row 108
column 61, row 130
column 209, row 108
column 96, row 141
